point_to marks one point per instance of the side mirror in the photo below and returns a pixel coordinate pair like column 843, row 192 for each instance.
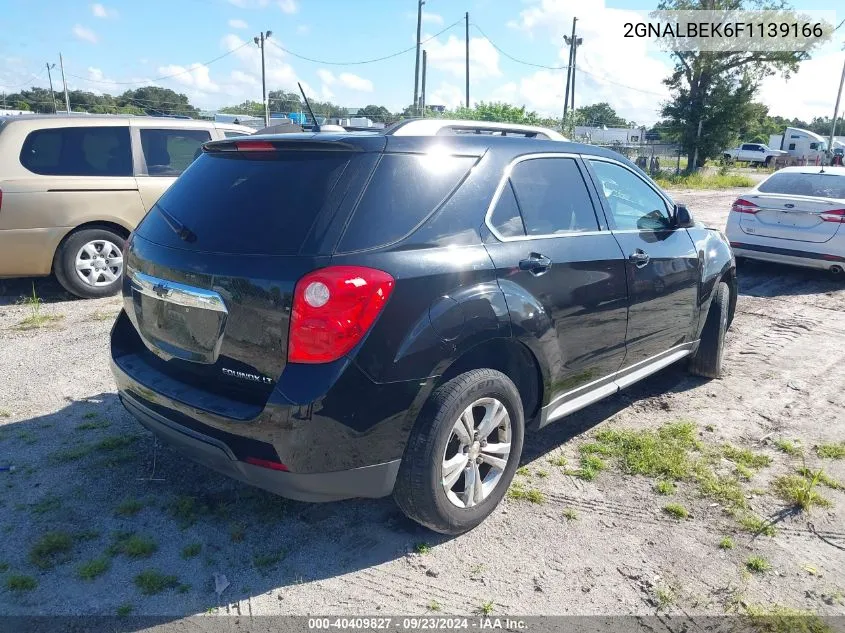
column 682, row 217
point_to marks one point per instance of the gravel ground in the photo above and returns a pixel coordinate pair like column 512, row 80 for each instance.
column 85, row 469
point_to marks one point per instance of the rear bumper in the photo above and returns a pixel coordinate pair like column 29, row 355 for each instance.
column 792, row 257
column 367, row 481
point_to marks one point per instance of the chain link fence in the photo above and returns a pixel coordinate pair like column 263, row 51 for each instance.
column 654, row 158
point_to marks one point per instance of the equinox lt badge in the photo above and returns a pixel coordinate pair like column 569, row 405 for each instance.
column 247, row 376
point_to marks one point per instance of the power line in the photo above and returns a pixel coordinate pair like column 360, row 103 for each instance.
column 182, row 72
column 33, row 77
column 363, row 61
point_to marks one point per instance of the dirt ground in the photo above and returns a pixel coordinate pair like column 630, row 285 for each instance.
column 95, row 518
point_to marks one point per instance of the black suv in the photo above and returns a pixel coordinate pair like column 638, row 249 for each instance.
column 337, row 315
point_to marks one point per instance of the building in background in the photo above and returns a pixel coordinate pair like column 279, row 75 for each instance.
column 608, row 135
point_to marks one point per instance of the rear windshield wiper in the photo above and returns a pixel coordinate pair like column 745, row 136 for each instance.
column 180, row 229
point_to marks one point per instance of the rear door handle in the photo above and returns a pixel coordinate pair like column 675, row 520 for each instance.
column 639, row 258
column 535, row 263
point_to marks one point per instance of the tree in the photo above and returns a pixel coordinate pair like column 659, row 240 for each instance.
column 377, row 113
column 712, row 91
column 252, row 108
column 283, row 101
column 154, row 100
column 600, row 114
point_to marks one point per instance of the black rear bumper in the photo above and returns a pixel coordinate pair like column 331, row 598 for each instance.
column 368, row 481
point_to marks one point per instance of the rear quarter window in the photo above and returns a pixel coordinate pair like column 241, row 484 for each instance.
column 404, row 190
column 78, row 151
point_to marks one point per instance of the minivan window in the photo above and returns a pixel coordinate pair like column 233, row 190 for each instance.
column 78, row 151
column 552, row 196
column 633, row 204
column 168, row 152
column 404, row 190
column 236, row 203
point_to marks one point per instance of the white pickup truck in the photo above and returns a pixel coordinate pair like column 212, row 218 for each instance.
column 753, row 153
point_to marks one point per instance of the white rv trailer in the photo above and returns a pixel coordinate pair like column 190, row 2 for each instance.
column 801, row 144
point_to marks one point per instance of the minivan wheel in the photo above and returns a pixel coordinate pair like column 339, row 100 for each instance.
column 89, row 263
column 707, row 360
column 462, row 453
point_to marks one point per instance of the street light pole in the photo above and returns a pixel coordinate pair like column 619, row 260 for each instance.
column 50, row 77
column 259, row 41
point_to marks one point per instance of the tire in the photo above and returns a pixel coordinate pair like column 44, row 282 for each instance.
column 420, row 490
column 707, row 360
column 100, row 247
column 768, row 161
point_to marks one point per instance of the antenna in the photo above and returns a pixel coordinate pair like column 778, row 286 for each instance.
column 308, row 105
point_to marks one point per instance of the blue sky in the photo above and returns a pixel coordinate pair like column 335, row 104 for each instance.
column 134, row 43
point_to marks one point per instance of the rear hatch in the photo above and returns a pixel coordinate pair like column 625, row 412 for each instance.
column 806, row 207
column 211, row 269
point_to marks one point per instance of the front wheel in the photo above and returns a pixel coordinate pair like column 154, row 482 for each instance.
column 707, row 360
column 89, row 263
column 462, row 453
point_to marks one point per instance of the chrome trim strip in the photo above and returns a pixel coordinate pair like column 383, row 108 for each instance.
column 571, row 406
column 175, row 292
column 503, row 181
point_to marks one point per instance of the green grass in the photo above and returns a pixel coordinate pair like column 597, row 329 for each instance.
column 125, row 610
column 664, row 487
column 267, row 560
column 129, row 508
column 756, row 525
column 237, row 532
column 698, row 180
column 103, row 316
column 133, row 546
column 53, row 548
column 523, row 471
column 186, row 510
column 676, row 510
column 569, row 514
column 745, row 457
column 664, row 597
column 191, row 550
column 20, row 583
column 726, row 543
column 780, row 619
column 542, row 474
column 789, row 447
column 757, row 564
column 831, row 451
column 46, row 505
column 558, row 460
column 115, row 441
column 486, row 608
column 93, row 425
column 822, row 478
column 433, row 605
column 800, row 491
column 743, row 472
column 422, row 548
column 70, row 454
column 517, row 492
column 5, row 414
column 661, row 453
column 93, row 568
column 151, row 582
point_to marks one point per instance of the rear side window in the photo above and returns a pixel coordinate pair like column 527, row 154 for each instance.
column 506, row 218
column 552, row 196
column 235, row 203
column 404, row 190
column 78, row 151
column 818, row 185
column 168, row 152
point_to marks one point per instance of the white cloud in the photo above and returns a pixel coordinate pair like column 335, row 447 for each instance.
column 432, row 18
column 326, row 76
column 806, row 94
column 354, row 82
column 196, row 76
column 85, row 34
column 446, row 94
column 280, row 74
column 95, row 74
column 238, row 24
column 451, row 57
column 239, row 76
column 250, row 4
column 101, row 11
column 303, row 29
column 287, row 6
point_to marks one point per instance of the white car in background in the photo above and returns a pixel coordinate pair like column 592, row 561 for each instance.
column 795, row 217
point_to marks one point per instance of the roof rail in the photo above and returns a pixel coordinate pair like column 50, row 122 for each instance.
column 451, row 127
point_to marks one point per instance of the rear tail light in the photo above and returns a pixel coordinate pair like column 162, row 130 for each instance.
column 332, row 310
column 744, row 206
column 1, row 198
column 266, row 463
column 254, row 146
column 836, row 215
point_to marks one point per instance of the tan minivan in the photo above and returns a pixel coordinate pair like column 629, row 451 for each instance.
column 72, row 187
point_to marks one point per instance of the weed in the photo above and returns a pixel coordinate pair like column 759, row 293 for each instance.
column 542, row 474
column 752, row 523
column 51, row 549
column 36, row 319
column 151, row 582
column 191, row 550
column 129, row 508
column 800, row 490
column 125, row 610
column 523, row 470
column 433, row 605
column 559, row 460
column 48, row 504
column 265, row 561
column 744, row 472
column 237, row 532
column 726, row 543
column 595, row 448
column 115, row 441
column 133, row 546
column 422, row 548
column 517, row 492
column 93, row 425
column 664, row 487
column 779, row 619
column 757, row 564
column 91, row 415
column 745, row 457
column 186, row 510
column 789, row 447
column 19, row 582
column 486, row 608
column 831, row 451
column 102, row 316
column 569, row 514
column 823, row 478
column 664, row 596
column 662, row 453
column 676, row 510
column 721, row 488
column 5, row 414
column 698, row 180
column 71, row 454
column 94, row 568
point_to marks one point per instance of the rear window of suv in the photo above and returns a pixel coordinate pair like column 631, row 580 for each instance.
column 797, row 184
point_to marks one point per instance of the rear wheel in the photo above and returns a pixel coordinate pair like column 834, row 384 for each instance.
column 462, row 453
column 707, row 360
column 89, row 263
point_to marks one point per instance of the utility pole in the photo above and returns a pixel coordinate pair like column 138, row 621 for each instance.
column 691, row 168
column 259, row 41
column 50, row 77
column 575, row 44
column 835, row 112
column 422, row 97
column 467, row 62
column 420, row 4
column 67, row 99
column 570, row 41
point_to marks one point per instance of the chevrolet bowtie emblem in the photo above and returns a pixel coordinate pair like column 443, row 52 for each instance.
column 162, row 290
